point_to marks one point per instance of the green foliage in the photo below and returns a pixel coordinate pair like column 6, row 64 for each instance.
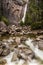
column 4, row 19
column 28, row 20
column 0, row 18
column 37, row 25
column 34, row 15
column 21, row 23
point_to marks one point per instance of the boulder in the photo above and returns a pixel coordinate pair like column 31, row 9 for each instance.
column 40, row 44
column 14, row 58
column 25, row 52
column 4, row 50
column 40, row 37
column 23, row 39
column 13, row 10
column 18, row 29
column 12, row 46
column 11, row 29
column 3, row 27
column 2, row 61
column 1, row 50
column 17, row 40
column 40, row 32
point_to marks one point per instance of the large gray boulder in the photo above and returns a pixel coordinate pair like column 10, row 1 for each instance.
column 13, row 10
column 3, row 27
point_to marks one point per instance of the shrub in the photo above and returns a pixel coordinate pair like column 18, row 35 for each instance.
column 42, row 24
column 28, row 23
column 0, row 18
column 21, row 23
column 4, row 19
column 36, row 25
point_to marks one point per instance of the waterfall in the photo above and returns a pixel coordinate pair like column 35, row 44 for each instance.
column 38, row 53
column 25, row 9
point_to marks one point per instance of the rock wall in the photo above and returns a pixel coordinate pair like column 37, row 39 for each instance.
column 13, row 10
column 0, row 7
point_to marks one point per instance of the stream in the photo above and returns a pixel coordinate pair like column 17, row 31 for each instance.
column 37, row 52
column 36, row 61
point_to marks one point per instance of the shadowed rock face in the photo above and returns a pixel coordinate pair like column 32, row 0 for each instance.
column 13, row 10
column 0, row 7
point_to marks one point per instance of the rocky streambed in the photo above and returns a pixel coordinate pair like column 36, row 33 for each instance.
column 18, row 48
column 14, row 50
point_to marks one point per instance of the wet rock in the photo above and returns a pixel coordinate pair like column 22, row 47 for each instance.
column 40, row 32
column 34, row 32
column 19, row 55
column 35, row 42
column 23, row 39
column 40, row 37
column 3, row 27
column 1, row 50
column 17, row 40
column 14, row 58
column 22, row 56
column 2, row 61
column 18, row 29
column 26, row 51
column 12, row 46
column 22, row 46
column 15, row 30
column 11, row 29
column 4, row 50
column 40, row 44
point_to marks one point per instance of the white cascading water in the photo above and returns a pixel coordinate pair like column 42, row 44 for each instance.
column 33, row 62
column 38, row 53
column 8, row 58
column 25, row 9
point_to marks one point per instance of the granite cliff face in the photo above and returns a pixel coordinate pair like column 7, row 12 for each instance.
column 0, row 7
column 13, row 10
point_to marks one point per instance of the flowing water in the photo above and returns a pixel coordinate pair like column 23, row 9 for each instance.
column 38, row 53
column 25, row 9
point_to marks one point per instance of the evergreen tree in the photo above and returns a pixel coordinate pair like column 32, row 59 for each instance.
column 34, row 13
